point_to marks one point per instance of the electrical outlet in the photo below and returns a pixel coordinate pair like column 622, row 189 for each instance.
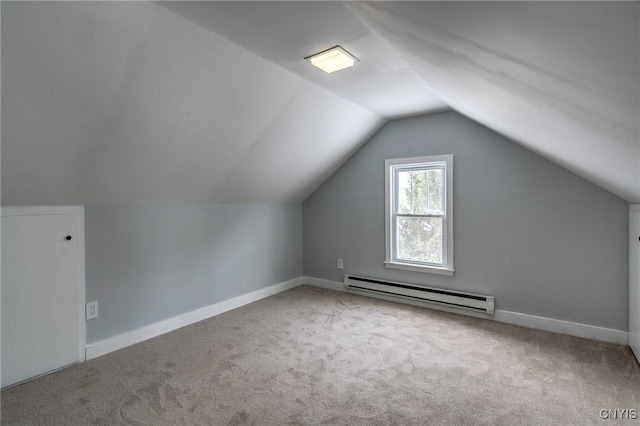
column 92, row 310
column 339, row 263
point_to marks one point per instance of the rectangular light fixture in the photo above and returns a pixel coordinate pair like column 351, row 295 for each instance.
column 332, row 60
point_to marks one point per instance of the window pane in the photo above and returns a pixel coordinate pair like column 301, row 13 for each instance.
column 403, row 180
column 420, row 239
column 420, row 191
column 435, row 189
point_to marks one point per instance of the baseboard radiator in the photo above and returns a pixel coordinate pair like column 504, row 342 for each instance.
column 453, row 299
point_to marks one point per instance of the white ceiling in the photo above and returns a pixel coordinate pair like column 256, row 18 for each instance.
column 136, row 102
column 118, row 102
column 286, row 32
column 560, row 78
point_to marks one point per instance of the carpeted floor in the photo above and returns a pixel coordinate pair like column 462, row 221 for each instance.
column 313, row 356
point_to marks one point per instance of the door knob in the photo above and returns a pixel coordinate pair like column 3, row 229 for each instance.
column 68, row 237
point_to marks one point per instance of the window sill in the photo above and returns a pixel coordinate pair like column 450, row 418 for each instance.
column 419, row 268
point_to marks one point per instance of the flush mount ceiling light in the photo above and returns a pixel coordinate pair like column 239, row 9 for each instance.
column 332, row 60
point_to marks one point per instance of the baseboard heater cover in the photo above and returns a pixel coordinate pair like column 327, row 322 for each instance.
column 454, row 299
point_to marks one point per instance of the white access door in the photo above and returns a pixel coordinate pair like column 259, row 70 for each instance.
column 634, row 279
column 42, row 293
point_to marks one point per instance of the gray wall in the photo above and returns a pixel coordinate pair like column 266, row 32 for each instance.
column 148, row 263
column 540, row 239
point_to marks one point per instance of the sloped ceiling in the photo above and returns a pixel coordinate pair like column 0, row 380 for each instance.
column 127, row 102
column 285, row 32
column 560, row 78
column 135, row 102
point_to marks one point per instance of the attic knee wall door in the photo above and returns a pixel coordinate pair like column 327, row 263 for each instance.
column 634, row 279
column 42, row 292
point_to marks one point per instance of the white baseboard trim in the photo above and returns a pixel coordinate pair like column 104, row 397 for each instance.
column 564, row 327
column 531, row 321
column 322, row 283
column 111, row 344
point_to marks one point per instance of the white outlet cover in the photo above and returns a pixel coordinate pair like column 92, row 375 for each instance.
column 92, row 310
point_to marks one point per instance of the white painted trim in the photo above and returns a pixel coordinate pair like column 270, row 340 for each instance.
column 419, row 268
column 82, row 285
column 41, row 210
column 322, row 283
column 390, row 261
column 508, row 317
column 564, row 327
column 634, row 207
column 634, row 280
column 111, row 344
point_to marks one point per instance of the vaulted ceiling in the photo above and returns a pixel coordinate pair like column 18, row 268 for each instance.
column 138, row 102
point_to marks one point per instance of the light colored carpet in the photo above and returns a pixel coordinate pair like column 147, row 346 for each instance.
column 312, row 356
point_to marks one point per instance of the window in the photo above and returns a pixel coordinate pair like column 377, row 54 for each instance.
column 419, row 214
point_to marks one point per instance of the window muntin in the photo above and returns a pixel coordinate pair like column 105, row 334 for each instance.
column 419, row 214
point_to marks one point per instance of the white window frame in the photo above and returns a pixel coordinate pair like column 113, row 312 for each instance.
column 446, row 268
